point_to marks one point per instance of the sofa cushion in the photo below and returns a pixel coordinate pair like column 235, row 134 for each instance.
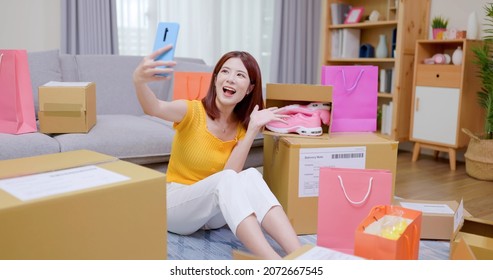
column 69, row 68
column 26, row 145
column 44, row 66
column 133, row 138
column 115, row 93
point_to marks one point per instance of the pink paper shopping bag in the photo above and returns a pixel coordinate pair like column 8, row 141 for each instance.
column 346, row 196
column 16, row 96
column 354, row 97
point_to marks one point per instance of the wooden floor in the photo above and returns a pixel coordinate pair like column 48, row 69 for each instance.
column 431, row 179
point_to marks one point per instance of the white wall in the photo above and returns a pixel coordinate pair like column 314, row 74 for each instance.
column 33, row 25
column 458, row 11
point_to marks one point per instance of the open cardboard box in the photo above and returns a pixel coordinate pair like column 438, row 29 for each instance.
column 81, row 205
column 441, row 219
column 462, row 251
column 280, row 95
column 478, row 234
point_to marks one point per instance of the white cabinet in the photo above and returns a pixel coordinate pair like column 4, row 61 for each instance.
column 444, row 98
column 436, row 112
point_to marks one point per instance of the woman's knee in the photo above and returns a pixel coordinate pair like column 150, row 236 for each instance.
column 251, row 172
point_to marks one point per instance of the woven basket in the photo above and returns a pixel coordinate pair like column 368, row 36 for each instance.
column 479, row 157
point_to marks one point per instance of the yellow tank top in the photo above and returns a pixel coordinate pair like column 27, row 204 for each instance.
column 196, row 153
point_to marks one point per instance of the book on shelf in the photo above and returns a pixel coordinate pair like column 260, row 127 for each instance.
column 386, row 124
column 336, row 40
column 383, row 80
column 389, row 117
column 392, row 80
column 350, row 43
column 387, row 78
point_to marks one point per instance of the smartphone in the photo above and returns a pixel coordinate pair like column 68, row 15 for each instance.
column 167, row 34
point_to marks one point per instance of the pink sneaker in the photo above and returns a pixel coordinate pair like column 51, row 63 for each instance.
column 322, row 109
column 309, row 125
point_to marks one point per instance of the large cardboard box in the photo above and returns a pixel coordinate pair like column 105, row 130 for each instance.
column 81, row 205
column 291, row 168
column 441, row 219
column 478, row 234
column 67, row 107
column 280, row 95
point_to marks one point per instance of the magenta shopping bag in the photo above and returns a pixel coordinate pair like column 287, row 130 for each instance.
column 346, row 196
column 354, row 97
column 16, row 96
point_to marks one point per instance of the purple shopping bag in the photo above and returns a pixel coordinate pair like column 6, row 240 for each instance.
column 354, row 97
column 16, row 96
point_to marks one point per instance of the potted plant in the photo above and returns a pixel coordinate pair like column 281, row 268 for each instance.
column 439, row 26
column 479, row 154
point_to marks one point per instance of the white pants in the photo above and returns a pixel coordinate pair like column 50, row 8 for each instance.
column 226, row 197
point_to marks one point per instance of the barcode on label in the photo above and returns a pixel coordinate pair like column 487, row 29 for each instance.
column 347, row 155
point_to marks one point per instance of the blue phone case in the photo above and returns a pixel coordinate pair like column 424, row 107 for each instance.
column 167, row 34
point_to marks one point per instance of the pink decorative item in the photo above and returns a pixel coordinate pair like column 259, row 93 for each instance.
column 429, row 60
column 354, row 15
column 461, row 34
column 439, row 58
column 438, row 33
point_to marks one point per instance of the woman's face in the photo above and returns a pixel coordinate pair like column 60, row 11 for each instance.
column 232, row 82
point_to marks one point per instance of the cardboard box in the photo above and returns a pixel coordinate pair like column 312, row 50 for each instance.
column 478, row 234
column 67, row 107
column 81, row 205
column 306, row 252
column 441, row 219
column 297, row 189
column 280, row 95
column 462, row 251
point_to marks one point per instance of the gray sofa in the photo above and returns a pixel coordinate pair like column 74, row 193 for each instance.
column 122, row 129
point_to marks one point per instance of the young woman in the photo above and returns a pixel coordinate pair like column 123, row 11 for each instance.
column 206, row 184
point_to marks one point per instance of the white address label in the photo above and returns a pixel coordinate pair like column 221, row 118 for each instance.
column 58, row 182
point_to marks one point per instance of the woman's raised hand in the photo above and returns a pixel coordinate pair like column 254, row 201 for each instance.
column 147, row 70
column 259, row 118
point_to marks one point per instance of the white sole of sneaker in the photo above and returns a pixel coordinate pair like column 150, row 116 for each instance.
column 312, row 131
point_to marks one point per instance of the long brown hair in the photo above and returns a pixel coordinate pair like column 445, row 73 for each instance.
column 245, row 107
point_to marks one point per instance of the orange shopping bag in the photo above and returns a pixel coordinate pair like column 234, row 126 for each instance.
column 191, row 85
column 389, row 233
column 16, row 95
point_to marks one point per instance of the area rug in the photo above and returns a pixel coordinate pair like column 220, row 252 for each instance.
column 218, row 245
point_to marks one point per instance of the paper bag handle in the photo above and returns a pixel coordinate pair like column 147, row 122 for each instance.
column 198, row 91
column 408, row 242
column 370, row 183
column 355, row 83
